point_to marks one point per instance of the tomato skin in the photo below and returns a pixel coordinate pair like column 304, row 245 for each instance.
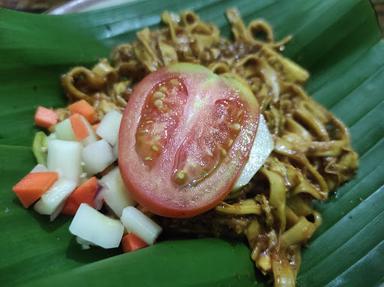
column 153, row 185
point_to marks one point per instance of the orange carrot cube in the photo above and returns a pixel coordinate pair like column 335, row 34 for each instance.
column 45, row 118
column 83, row 108
column 132, row 242
column 33, row 186
column 78, row 126
column 85, row 193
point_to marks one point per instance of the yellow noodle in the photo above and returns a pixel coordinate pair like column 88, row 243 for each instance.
column 298, row 233
column 283, row 273
column 248, row 206
column 312, row 153
column 219, row 68
column 261, row 29
column 277, row 194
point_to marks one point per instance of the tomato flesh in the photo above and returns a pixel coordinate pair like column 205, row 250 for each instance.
column 185, row 135
column 160, row 116
column 208, row 143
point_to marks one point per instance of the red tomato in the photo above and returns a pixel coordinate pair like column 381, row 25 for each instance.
column 185, row 136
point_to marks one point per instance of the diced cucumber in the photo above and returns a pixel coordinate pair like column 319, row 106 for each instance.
column 65, row 158
column 64, row 130
column 55, row 196
column 137, row 222
column 97, row 156
column 114, row 192
column 109, row 127
column 96, row 228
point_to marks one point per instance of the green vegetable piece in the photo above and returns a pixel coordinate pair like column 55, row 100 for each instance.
column 39, row 147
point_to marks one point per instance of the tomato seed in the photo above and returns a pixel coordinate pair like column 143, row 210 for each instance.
column 223, row 152
column 158, row 104
column 158, row 96
column 163, row 90
column 174, row 82
column 236, row 126
column 181, row 176
column 155, row 147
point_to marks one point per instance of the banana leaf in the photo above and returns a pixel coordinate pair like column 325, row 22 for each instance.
column 339, row 42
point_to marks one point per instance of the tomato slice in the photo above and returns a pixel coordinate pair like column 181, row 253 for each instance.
column 185, row 136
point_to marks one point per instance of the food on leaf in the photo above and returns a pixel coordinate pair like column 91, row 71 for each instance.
column 211, row 136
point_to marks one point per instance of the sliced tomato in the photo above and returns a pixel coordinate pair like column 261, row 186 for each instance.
column 185, row 136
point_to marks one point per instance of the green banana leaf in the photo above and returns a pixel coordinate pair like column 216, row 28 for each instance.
column 339, row 42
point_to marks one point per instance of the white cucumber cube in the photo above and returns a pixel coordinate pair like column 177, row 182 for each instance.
column 65, row 158
column 114, row 192
column 39, row 168
column 57, row 211
column 109, row 127
column 138, row 223
column 97, row 156
column 64, row 131
column 96, row 228
column 52, row 136
column 116, row 149
column 55, row 196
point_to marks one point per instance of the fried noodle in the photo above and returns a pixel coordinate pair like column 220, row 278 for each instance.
column 312, row 154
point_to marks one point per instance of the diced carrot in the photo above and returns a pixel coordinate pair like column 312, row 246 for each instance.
column 132, row 242
column 70, row 208
column 33, row 186
column 85, row 193
column 45, row 118
column 83, row 108
column 78, row 126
